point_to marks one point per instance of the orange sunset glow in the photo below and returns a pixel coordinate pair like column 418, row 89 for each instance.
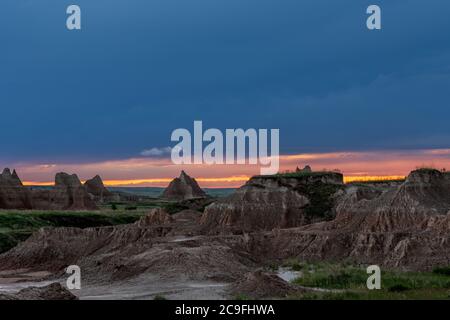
column 149, row 172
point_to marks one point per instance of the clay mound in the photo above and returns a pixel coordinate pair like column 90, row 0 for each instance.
column 268, row 202
column 183, row 188
column 53, row 291
column 167, row 250
column 156, row 216
column 259, row 284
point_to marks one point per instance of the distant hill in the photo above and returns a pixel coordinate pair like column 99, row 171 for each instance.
column 155, row 192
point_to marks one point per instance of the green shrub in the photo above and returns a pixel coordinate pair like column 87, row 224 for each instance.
column 398, row 288
column 442, row 271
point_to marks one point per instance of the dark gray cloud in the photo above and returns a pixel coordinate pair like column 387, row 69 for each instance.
column 140, row 69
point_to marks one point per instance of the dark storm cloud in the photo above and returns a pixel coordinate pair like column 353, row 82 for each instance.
column 139, row 69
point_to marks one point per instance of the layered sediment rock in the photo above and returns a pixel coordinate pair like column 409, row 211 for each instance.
column 280, row 201
column 68, row 194
column 405, row 227
column 159, row 244
column 183, row 188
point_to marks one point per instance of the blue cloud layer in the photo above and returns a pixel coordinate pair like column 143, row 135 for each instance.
column 140, row 69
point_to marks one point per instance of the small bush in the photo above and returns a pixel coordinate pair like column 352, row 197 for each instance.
column 445, row 271
column 241, row 297
column 398, row 288
column 297, row 266
column 114, row 206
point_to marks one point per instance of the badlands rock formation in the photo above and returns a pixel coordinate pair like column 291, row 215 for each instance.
column 405, row 227
column 98, row 191
column 13, row 195
column 279, row 201
column 159, row 244
column 183, row 188
column 67, row 194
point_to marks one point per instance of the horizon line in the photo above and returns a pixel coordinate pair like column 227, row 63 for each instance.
column 147, row 183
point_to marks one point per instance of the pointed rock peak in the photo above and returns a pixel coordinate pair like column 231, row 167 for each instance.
column 10, row 179
column 16, row 178
column 185, row 177
column 97, row 179
column 96, row 187
column 95, row 182
column 183, row 174
column 183, row 187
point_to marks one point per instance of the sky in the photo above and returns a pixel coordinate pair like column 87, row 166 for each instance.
column 105, row 99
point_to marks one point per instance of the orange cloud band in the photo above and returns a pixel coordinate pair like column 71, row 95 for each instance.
column 373, row 165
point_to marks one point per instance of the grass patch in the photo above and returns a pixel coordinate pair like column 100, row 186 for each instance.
column 241, row 297
column 346, row 282
column 174, row 207
column 294, row 265
column 442, row 271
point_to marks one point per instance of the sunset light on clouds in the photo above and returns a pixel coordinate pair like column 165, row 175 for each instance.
column 159, row 172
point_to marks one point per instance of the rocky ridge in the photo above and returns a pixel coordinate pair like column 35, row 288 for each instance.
column 280, row 201
column 67, row 194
